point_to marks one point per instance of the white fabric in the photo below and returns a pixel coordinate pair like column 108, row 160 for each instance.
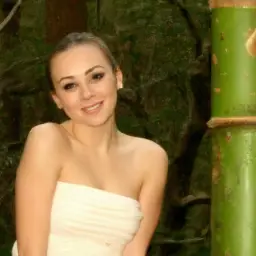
column 86, row 221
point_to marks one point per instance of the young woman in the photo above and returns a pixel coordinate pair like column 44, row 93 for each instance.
column 83, row 187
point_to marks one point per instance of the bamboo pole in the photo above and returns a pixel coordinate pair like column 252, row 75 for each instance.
column 234, row 133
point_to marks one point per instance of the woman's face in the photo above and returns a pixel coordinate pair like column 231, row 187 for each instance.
column 85, row 84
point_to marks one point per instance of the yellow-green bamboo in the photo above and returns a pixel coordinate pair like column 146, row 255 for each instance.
column 234, row 121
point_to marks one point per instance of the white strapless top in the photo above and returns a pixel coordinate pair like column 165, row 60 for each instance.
column 87, row 221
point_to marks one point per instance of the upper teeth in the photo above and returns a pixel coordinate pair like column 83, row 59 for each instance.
column 93, row 107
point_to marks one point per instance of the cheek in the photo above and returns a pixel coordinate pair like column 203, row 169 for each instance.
column 109, row 86
column 69, row 101
column 112, row 92
column 112, row 98
column 111, row 95
column 109, row 89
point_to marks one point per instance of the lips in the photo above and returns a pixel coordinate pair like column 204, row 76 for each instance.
column 93, row 108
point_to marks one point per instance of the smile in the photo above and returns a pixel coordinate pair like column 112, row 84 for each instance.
column 93, row 108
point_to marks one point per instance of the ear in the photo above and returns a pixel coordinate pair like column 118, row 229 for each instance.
column 119, row 78
column 56, row 100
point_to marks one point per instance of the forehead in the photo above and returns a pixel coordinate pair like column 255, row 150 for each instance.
column 77, row 59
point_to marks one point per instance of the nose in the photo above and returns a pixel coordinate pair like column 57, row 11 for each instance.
column 86, row 92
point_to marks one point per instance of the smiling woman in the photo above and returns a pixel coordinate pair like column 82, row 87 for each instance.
column 79, row 87
column 82, row 186
column 89, row 85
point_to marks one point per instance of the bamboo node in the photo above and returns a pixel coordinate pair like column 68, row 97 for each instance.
column 217, row 122
column 231, row 3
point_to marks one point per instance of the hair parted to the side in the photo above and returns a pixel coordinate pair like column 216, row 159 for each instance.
column 76, row 39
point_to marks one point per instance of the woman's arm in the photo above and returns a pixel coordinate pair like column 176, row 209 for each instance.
column 155, row 164
column 36, row 179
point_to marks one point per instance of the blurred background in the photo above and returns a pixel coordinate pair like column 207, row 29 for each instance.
column 163, row 47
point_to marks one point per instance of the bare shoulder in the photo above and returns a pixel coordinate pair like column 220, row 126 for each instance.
column 45, row 143
column 46, row 135
column 150, row 149
column 150, row 156
column 43, row 155
column 51, row 130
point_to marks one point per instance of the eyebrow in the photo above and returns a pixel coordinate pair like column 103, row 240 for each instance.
column 85, row 73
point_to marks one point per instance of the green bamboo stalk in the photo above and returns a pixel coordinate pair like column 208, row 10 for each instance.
column 234, row 137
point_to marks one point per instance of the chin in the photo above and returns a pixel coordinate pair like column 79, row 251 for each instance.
column 96, row 121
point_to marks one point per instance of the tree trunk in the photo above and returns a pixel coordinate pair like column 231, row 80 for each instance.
column 234, row 114
column 63, row 17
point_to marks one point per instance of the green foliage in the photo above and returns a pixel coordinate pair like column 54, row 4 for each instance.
column 5, row 250
column 203, row 251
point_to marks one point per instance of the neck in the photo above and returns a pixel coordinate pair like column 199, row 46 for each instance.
column 101, row 138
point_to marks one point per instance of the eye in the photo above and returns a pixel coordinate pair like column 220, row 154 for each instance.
column 97, row 76
column 69, row 86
